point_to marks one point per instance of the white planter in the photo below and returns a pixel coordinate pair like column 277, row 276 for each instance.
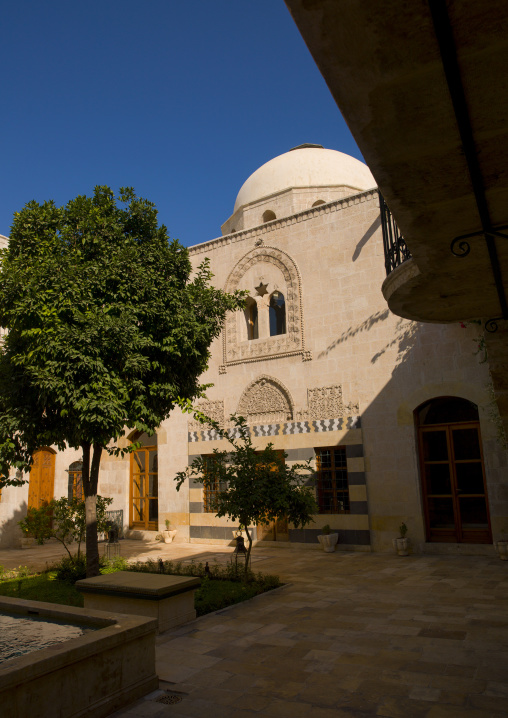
column 502, row 549
column 328, row 542
column 401, row 546
column 169, row 536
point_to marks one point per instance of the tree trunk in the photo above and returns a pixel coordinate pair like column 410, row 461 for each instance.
column 247, row 557
column 90, row 477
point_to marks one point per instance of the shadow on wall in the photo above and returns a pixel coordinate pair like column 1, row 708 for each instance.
column 351, row 332
column 425, row 361
column 10, row 533
column 404, row 339
column 368, row 234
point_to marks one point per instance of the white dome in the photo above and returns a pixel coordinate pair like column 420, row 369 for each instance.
column 305, row 166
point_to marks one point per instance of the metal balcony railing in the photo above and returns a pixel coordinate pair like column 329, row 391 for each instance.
column 395, row 248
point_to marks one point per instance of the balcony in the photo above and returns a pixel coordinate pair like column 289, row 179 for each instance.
column 395, row 248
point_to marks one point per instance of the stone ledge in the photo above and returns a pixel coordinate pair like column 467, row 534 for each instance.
column 131, row 584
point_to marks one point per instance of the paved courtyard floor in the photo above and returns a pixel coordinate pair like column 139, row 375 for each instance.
column 351, row 635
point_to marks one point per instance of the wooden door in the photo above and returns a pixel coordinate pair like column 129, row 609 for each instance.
column 274, row 531
column 42, row 478
column 453, row 479
column 277, row 530
column 144, row 489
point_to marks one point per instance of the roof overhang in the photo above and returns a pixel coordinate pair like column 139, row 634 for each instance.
column 424, row 90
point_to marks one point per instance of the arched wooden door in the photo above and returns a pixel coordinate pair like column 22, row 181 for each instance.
column 42, row 478
column 452, row 471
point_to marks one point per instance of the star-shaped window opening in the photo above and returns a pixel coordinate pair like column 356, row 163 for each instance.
column 261, row 290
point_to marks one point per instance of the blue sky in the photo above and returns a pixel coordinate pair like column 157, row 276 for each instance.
column 181, row 100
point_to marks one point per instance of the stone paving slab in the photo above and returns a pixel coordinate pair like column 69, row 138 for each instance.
column 352, row 635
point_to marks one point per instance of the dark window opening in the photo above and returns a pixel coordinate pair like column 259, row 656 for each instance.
column 251, row 316
column 277, row 314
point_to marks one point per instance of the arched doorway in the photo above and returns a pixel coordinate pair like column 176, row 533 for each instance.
column 42, row 478
column 75, row 482
column 452, row 471
column 144, row 491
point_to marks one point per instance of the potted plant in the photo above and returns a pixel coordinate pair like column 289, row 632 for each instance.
column 327, row 539
column 401, row 542
column 169, row 534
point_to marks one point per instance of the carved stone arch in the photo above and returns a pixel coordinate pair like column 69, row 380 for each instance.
column 236, row 350
column 266, row 400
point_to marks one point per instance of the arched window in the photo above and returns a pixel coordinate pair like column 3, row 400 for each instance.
column 251, row 317
column 75, row 484
column 144, row 483
column 318, row 202
column 268, row 215
column 452, row 471
column 277, row 314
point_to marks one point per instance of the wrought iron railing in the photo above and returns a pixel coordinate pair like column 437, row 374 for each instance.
column 395, row 248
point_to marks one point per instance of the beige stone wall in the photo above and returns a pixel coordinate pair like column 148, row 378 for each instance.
column 386, row 365
column 283, row 204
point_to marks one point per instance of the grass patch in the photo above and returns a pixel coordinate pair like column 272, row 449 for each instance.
column 221, row 585
column 214, row 595
column 42, row 587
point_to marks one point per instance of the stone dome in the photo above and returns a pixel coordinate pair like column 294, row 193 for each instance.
column 305, row 166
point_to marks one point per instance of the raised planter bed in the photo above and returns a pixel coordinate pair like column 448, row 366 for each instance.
column 168, row 599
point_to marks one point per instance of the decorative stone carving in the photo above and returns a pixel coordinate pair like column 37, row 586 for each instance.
column 213, row 409
column 289, row 344
column 266, row 400
column 326, row 403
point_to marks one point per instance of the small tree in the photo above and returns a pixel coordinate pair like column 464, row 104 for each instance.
column 63, row 520
column 252, row 486
column 108, row 327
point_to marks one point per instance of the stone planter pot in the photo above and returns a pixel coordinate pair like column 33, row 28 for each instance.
column 502, row 549
column 169, row 535
column 328, row 542
column 27, row 542
column 401, row 546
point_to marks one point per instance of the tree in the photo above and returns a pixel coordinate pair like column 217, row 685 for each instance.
column 252, row 486
column 106, row 329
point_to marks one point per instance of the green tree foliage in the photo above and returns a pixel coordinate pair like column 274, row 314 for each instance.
column 63, row 520
column 107, row 325
column 252, row 486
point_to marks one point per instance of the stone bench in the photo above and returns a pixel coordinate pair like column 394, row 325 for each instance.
column 169, row 599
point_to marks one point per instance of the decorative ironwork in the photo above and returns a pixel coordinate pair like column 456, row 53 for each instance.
column 464, row 247
column 491, row 325
column 396, row 250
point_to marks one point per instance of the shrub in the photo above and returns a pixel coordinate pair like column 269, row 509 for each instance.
column 63, row 519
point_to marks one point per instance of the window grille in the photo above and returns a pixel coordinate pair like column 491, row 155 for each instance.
column 332, row 481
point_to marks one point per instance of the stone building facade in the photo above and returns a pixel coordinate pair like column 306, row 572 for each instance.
column 396, row 415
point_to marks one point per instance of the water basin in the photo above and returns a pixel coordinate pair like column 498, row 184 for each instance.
column 25, row 633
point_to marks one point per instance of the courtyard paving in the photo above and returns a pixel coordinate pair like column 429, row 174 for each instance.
column 351, row 635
